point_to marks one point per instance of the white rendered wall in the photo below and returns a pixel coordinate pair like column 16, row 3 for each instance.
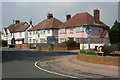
column 92, row 46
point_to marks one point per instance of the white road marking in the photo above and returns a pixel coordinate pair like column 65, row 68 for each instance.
column 52, row 72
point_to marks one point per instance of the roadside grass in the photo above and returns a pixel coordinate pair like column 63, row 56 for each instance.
column 108, row 60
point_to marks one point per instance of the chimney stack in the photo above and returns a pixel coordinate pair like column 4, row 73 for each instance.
column 17, row 21
column 68, row 16
column 97, row 16
column 49, row 16
column 30, row 22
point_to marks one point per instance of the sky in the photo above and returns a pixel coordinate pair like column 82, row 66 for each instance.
column 37, row 11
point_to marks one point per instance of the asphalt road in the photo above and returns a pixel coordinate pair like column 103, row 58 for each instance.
column 20, row 63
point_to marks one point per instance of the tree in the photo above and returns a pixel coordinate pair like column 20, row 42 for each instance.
column 4, row 43
column 114, row 33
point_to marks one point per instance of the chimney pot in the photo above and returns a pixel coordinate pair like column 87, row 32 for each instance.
column 17, row 21
column 49, row 16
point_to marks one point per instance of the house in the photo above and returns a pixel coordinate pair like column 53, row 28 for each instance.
column 16, row 33
column 40, row 32
column 22, row 34
column 4, row 34
column 74, row 27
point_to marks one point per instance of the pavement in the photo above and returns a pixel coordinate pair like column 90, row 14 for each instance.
column 69, row 65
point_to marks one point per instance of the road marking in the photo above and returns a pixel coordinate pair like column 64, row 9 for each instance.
column 52, row 72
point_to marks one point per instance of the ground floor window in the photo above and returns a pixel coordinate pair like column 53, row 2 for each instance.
column 42, row 40
column 62, row 40
column 34, row 40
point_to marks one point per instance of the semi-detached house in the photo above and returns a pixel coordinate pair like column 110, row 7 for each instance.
column 74, row 27
column 16, row 32
column 40, row 32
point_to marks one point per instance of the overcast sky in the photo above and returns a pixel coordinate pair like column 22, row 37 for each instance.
column 37, row 11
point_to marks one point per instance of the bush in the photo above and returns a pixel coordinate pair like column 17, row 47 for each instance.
column 70, row 43
column 109, row 49
column 4, row 43
column 91, row 52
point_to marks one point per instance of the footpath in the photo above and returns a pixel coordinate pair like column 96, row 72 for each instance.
column 69, row 65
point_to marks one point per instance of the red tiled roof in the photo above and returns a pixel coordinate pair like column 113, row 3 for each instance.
column 81, row 19
column 22, row 28
column 104, row 33
column 16, row 26
column 46, row 24
column 19, row 39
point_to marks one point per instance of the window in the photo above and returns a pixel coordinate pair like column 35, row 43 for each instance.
column 79, row 29
column 62, row 40
column 20, row 34
column 30, row 41
column 63, row 31
column 34, row 32
column 30, row 33
column 48, row 31
column 42, row 40
column 71, row 30
column 43, row 31
column 34, row 40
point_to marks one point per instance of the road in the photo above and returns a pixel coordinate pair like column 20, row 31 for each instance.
column 20, row 63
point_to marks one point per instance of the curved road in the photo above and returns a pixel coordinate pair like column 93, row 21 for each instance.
column 20, row 63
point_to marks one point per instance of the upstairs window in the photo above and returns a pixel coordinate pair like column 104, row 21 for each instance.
column 20, row 34
column 71, row 30
column 48, row 31
column 34, row 32
column 30, row 33
column 62, row 31
column 79, row 29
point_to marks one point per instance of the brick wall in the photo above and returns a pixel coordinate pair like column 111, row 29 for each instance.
column 23, row 46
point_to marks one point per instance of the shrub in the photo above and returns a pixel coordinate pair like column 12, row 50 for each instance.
column 109, row 49
column 70, row 43
column 91, row 52
column 4, row 43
